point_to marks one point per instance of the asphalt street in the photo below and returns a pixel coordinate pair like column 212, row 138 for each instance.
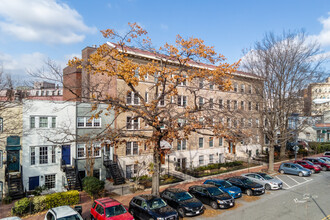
column 300, row 198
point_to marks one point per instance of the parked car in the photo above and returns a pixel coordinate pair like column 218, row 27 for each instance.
column 292, row 168
column 212, row 195
column 182, row 201
column 326, row 159
column 151, row 207
column 320, row 162
column 109, row 209
column 246, row 185
column 327, row 153
column 62, row 212
column 264, row 179
column 309, row 165
column 226, row 186
column 11, row 218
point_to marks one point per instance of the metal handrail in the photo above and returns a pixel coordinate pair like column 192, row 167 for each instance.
column 77, row 173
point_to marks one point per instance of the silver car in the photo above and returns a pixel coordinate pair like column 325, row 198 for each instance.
column 264, row 179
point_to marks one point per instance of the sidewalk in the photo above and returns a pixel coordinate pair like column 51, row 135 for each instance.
column 86, row 201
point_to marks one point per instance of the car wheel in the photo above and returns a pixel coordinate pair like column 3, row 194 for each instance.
column 324, row 168
column 282, row 171
column 249, row 192
column 300, row 174
column 181, row 212
column 267, row 187
column 313, row 171
column 214, row 205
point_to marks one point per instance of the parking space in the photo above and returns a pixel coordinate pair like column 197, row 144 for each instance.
column 290, row 181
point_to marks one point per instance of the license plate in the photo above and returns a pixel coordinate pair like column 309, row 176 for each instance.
column 231, row 204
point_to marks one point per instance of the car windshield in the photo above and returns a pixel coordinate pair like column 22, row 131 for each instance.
column 156, row 203
column 182, row 196
column 310, row 163
column 226, row 184
column 115, row 210
column 322, row 161
column 71, row 217
column 214, row 191
column 266, row 176
column 325, row 159
column 246, row 181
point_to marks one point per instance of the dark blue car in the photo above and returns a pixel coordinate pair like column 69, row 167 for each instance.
column 226, row 186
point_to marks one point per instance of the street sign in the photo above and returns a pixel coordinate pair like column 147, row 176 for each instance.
column 295, row 148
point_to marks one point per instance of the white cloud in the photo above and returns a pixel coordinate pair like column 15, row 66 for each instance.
column 164, row 27
column 42, row 21
column 324, row 36
column 20, row 66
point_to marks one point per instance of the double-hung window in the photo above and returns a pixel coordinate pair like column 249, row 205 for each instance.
column 43, row 122
column 210, row 141
column 182, row 100
column 201, row 142
column 50, row 181
column 32, row 155
column 132, row 123
column 43, row 155
column 32, row 122
column 182, row 144
column 132, row 148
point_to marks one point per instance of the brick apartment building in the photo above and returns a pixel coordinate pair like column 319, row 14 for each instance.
column 241, row 115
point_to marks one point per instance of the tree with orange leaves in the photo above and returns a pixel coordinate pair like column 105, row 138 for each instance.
column 185, row 67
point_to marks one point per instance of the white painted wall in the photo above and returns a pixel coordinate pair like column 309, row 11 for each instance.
column 65, row 113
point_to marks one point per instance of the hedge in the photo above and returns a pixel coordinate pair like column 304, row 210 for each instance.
column 93, row 186
column 319, row 147
column 41, row 203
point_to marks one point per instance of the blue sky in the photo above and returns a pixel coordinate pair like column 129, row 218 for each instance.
column 35, row 30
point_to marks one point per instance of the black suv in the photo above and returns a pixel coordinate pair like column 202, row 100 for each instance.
column 183, row 202
column 212, row 195
column 247, row 185
column 151, row 207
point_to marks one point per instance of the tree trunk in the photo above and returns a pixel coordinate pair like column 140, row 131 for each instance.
column 271, row 157
column 282, row 151
column 156, row 173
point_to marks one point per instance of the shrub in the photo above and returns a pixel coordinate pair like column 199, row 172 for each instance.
column 21, row 207
column 93, row 186
column 62, row 198
column 7, row 200
column 41, row 203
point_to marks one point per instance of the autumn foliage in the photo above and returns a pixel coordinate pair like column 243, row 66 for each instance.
column 184, row 67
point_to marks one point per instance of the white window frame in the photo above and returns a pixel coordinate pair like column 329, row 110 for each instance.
column 33, row 155
column 201, row 160
column 211, row 156
column 88, row 120
column 200, row 145
column 182, row 143
column 132, row 127
column 47, row 121
column 45, row 158
column 182, row 101
column 132, row 143
column 52, row 181
column 220, row 141
column 211, row 142
column 83, row 146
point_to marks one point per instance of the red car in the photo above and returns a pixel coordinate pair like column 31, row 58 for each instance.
column 109, row 209
column 309, row 165
column 320, row 162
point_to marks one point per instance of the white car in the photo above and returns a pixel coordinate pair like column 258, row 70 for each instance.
column 11, row 218
column 264, row 179
column 62, row 213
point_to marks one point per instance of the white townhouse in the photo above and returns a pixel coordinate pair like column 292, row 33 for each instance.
column 49, row 129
